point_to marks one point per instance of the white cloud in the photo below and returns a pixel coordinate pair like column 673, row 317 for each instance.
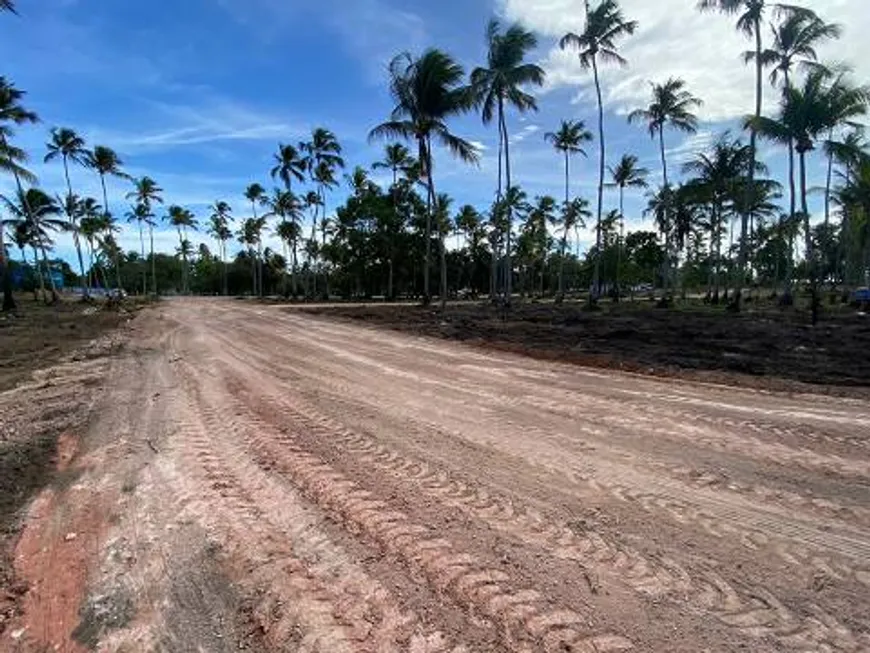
column 674, row 39
column 524, row 133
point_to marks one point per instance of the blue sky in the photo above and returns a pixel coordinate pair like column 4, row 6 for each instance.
column 198, row 93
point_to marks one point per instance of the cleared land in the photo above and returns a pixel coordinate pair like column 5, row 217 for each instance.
column 250, row 477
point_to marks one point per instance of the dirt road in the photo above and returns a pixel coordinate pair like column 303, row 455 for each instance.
column 253, row 478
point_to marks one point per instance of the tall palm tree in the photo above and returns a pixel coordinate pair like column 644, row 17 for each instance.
column 794, row 44
column 750, row 14
column 718, row 176
column 41, row 214
column 568, row 140
column 182, row 219
column 397, row 159
column 289, row 165
column 444, row 225
column 498, row 86
column 671, row 106
column 67, row 145
column 141, row 215
column 625, row 174
column 427, row 91
column 288, row 209
column 219, row 228
column 574, row 214
column 605, row 25
column 11, row 161
column 105, row 161
column 822, row 103
column 256, row 195
column 147, row 193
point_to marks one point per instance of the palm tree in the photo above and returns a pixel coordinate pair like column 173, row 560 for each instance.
column 11, row 161
column 625, row 174
column 468, row 222
column 427, row 91
column 67, row 145
column 794, row 43
column 822, row 103
column 39, row 212
column 568, row 140
column 750, row 14
column 289, row 165
column 256, row 195
column 718, row 176
column 444, row 225
column 671, row 106
column 142, row 215
column 287, row 207
column 219, row 228
column 397, row 158
column 147, row 193
column 605, row 25
column 500, row 85
column 572, row 219
column 182, row 219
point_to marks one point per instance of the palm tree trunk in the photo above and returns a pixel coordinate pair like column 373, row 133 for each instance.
column 54, row 296
column 295, row 288
column 223, row 249
column 811, row 263
column 507, row 169
column 667, row 220
column 753, row 148
column 76, row 240
column 620, row 244
column 443, row 274
column 561, row 296
column 8, row 298
column 260, row 267
column 38, row 265
column 154, row 288
column 596, row 275
column 430, row 197
column 144, row 272
column 829, row 182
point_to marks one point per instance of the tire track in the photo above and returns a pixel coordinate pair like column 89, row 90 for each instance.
column 312, row 597
column 523, row 617
column 790, row 540
column 753, row 611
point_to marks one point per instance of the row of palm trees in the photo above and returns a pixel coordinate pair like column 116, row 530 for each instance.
column 818, row 106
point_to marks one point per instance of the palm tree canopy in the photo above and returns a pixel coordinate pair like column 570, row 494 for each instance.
column 38, row 209
column 822, row 102
column 605, row 25
column 289, row 165
column 106, row 161
column 505, row 74
column 323, row 148
column 7, row 5
column 426, row 91
column 628, row 174
column 671, row 106
column 574, row 214
column 255, row 193
column 146, row 191
column 749, row 12
column 397, row 158
column 11, row 110
column 570, row 137
column 67, row 144
column 181, row 217
column 12, row 159
column 794, row 42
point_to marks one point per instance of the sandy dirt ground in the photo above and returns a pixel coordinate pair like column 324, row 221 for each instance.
column 250, row 478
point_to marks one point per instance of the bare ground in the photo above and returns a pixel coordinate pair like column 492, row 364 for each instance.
column 252, row 478
column 763, row 346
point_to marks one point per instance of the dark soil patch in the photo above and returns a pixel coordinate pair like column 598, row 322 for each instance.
column 769, row 349
column 37, row 336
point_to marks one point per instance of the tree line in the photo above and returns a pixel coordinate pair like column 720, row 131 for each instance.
column 722, row 227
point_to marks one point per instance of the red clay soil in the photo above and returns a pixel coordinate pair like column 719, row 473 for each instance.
column 252, row 478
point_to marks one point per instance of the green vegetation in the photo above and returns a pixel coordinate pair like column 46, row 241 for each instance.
column 721, row 229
